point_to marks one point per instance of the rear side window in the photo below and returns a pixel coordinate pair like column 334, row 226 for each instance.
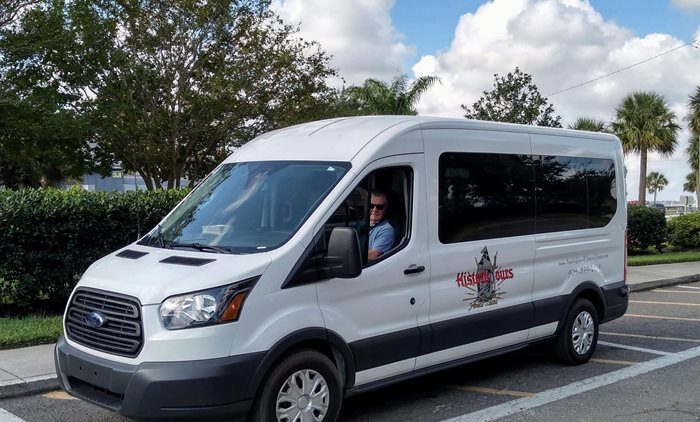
column 562, row 202
column 489, row 196
column 574, row 193
column 485, row 196
column 602, row 191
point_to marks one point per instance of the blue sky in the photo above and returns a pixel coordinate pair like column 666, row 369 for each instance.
column 429, row 25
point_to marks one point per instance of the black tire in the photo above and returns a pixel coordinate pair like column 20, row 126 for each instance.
column 265, row 404
column 565, row 346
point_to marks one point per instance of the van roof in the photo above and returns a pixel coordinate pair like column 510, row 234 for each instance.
column 342, row 138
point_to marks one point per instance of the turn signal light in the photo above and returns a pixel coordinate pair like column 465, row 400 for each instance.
column 233, row 310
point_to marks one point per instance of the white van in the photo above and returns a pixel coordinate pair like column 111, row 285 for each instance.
column 335, row 257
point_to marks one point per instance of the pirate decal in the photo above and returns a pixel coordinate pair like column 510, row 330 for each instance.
column 484, row 285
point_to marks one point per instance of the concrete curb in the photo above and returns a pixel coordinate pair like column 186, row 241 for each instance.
column 29, row 388
column 648, row 285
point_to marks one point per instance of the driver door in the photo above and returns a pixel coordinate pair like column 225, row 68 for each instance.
column 377, row 313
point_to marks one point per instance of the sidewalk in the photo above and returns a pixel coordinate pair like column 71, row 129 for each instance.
column 30, row 370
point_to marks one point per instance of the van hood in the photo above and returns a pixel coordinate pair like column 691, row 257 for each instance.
column 153, row 274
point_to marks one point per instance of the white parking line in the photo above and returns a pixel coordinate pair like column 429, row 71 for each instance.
column 665, row 303
column 578, row 387
column 675, row 291
column 636, row 349
column 690, row 340
column 689, row 287
column 6, row 416
column 662, row 317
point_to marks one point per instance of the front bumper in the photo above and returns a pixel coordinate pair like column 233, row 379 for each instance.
column 209, row 389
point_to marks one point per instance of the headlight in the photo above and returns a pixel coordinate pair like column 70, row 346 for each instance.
column 208, row 307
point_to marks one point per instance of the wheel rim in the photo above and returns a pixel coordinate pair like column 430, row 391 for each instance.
column 303, row 397
column 582, row 333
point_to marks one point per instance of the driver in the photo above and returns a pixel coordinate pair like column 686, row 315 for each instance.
column 381, row 233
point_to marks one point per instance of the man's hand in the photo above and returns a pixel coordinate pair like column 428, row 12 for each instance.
column 373, row 254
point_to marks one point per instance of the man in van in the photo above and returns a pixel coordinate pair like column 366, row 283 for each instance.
column 381, row 233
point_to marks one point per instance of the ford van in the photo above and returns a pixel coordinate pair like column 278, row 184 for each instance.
column 271, row 294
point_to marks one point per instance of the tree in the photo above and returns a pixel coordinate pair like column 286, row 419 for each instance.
column 41, row 143
column 644, row 122
column 589, row 124
column 170, row 87
column 692, row 151
column 514, row 99
column 396, row 98
column 689, row 185
column 10, row 10
column 43, row 138
column 655, row 183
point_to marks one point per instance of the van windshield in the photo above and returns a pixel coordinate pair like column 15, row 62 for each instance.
column 248, row 207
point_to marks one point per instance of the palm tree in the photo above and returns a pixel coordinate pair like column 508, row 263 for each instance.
column 589, row 124
column 693, row 150
column 689, row 185
column 644, row 123
column 656, row 182
column 396, row 98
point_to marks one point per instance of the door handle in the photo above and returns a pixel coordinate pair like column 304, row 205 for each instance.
column 413, row 269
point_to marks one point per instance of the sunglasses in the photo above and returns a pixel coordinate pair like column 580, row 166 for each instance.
column 379, row 207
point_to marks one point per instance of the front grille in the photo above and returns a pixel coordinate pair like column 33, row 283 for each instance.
column 121, row 331
column 95, row 394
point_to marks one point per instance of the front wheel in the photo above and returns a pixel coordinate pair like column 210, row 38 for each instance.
column 579, row 336
column 304, row 387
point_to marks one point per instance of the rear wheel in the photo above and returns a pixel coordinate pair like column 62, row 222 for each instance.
column 579, row 336
column 304, row 387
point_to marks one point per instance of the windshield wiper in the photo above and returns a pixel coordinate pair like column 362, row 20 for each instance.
column 200, row 247
column 158, row 240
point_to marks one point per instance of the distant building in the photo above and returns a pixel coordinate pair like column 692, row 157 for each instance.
column 118, row 181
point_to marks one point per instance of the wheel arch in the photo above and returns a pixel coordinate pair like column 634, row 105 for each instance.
column 320, row 339
column 586, row 290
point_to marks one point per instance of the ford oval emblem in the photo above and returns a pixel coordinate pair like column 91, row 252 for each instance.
column 94, row 320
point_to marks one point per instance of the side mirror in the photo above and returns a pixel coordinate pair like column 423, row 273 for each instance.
column 343, row 257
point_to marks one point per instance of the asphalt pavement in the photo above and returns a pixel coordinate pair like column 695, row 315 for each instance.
column 30, row 370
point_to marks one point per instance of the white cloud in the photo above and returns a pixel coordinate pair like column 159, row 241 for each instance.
column 563, row 43
column 687, row 4
column 358, row 34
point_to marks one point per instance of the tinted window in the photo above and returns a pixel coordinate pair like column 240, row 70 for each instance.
column 602, row 191
column 484, row 196
column 574, row 193
column 561, row 193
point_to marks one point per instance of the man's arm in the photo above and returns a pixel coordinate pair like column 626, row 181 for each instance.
column 382, row 243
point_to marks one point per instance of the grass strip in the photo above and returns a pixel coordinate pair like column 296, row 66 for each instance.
column 29, row 331
column 664, row 258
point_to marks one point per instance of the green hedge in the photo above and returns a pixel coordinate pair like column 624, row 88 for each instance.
column 49, row 237
column 646, row 227
column 684, row 231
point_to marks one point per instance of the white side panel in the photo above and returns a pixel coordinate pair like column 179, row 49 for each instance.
column 382, row 372
column 542, row 331
column 271, row 313
column 572, row 147
column 471, row 349
column 568, row 258
column 512, row 256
